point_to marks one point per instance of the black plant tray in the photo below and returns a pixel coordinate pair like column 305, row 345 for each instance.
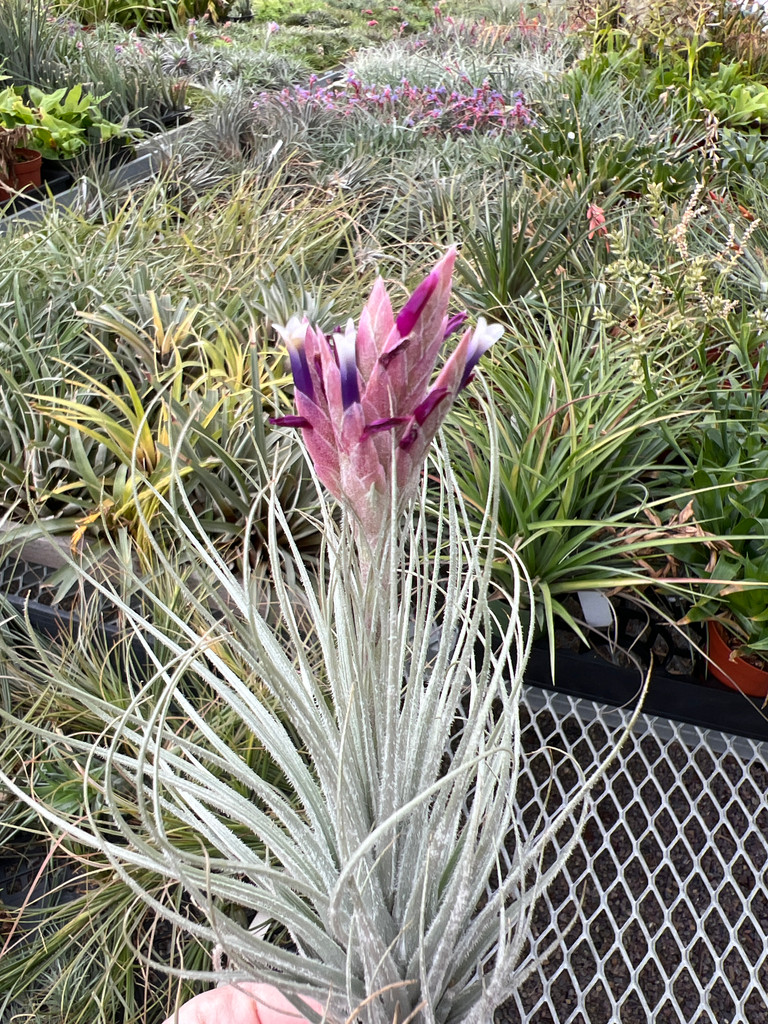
column 703, row 702
column 51, row 621
column 26, row 878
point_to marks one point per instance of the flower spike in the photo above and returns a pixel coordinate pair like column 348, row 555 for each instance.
column 366, row 401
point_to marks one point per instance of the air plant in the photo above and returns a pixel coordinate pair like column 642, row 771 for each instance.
column 387, row 700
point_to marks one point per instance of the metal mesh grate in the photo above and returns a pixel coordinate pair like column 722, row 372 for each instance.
column 667, row 890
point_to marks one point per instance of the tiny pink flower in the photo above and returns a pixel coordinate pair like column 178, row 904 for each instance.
column 596, row 220
column 366, row 401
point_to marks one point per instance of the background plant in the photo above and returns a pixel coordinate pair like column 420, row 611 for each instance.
column 74, row 951
column 581, row 436
column 724, row 480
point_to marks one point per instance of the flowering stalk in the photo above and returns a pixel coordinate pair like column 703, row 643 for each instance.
column 398, row 747
column 366, row 401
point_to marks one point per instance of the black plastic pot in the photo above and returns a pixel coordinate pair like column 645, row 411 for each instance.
column 704, row 702
column 57, row 175
column 166, row 122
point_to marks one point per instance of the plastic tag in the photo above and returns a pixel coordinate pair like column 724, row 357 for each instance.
column 597, row 609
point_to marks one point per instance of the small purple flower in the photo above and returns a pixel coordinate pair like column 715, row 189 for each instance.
column 345, row 345
column 293, row 334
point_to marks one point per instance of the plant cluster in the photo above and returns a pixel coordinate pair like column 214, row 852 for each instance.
column 600, row 177
column 429, row 110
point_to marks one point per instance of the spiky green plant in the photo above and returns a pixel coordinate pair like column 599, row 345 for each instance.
column 585, row 426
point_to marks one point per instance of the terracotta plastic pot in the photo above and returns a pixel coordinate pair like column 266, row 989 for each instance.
column 731, row 669
column 26, row 173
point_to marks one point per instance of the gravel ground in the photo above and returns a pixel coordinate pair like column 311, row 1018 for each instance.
column 665, row 894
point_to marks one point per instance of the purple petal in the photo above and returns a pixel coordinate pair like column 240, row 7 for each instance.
column 346, row 353
column 454, row 324
column 294, row 335
column 375, row 426
column 291, row 421
column 300, row 370
column 386, row 357
column 430, row 403
column 412, row 310
column 485, row 335
column 409, row 437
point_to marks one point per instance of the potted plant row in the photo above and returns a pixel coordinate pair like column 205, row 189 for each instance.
column 58, row 126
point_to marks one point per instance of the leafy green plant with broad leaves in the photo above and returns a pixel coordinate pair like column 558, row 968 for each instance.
column 59, row 124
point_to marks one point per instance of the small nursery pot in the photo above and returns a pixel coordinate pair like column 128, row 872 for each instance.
column 25, row 173
column 731, row 669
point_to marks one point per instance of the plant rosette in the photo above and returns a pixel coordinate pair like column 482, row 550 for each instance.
column 379, row 854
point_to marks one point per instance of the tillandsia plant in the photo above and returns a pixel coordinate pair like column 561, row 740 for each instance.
column 392, row 855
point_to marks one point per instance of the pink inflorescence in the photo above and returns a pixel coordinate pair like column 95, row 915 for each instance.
column 435, row 110
column 366, row 400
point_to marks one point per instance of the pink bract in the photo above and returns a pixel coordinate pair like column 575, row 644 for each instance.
column 366, row 401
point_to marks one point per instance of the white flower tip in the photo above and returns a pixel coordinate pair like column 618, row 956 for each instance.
column 294, row 332
column 486, row 334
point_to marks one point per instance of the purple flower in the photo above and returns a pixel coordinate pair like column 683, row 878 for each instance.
column 367, row 404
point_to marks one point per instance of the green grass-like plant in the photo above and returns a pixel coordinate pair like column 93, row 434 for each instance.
column 581, row 434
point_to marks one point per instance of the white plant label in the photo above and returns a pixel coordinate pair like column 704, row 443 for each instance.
column 597, row 609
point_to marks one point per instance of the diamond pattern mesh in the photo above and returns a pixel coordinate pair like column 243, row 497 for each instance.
column 666, row 894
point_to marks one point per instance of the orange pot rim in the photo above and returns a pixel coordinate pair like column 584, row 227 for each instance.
column 29, row 156
column 732, row 670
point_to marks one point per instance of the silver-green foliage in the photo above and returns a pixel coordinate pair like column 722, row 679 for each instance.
column 390, row 710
